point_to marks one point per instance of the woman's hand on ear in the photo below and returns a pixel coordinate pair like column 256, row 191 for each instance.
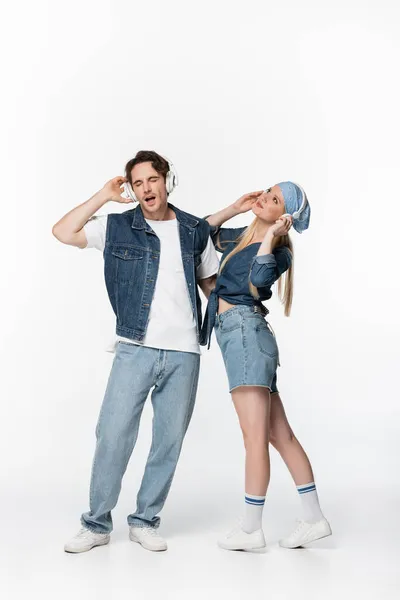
column 281, row 226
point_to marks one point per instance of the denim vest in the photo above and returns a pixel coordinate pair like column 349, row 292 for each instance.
column 131, row 261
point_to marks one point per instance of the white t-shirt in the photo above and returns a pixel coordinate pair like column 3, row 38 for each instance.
column 171, row 324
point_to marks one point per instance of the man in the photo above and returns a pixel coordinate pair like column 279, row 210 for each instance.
column 154, row 254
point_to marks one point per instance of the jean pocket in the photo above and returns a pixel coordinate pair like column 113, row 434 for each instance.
column 266, row 341
column 229, row 321
column 126, row 252
column 125, row 343
column 126, row 261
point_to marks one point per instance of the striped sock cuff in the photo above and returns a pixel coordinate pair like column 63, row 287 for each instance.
column 254, row 500
column 306, row 489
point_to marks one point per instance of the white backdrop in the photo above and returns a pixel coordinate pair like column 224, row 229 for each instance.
column 239, row 96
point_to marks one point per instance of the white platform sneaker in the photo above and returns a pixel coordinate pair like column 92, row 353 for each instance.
column 148, row 537
column 85, row 540
column 306, row 533
column 237, row 539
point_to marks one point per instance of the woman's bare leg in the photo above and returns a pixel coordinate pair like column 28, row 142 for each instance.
column 314, row 525
column 288, row 446
column 252, row 406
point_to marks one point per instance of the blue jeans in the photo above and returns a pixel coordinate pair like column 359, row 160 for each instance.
column 136, row 369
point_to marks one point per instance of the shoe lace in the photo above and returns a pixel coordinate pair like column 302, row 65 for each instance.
column 151, row 531
column 83, row 532
column 300, row 526
column 238, row 526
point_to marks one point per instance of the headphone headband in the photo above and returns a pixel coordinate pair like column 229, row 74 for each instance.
column 298, row 212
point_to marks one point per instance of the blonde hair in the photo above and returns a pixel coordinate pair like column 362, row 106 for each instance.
column 285, row 281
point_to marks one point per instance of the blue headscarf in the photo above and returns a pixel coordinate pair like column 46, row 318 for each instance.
column 293, row 196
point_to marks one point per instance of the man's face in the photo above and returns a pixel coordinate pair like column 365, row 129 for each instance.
column 149, row 187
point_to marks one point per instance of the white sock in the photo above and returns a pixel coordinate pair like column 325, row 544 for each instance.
column 310, row 503
column 253, row 513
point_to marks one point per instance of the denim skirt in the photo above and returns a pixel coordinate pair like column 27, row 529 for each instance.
column 248, row 347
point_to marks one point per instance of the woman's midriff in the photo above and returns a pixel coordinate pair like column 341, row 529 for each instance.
column 223, row 305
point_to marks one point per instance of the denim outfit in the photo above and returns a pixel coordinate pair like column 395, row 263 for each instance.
column 131, row 257
column 247, row 343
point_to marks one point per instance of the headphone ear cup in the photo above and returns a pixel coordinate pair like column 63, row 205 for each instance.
column 129, row 192
column 170, row 182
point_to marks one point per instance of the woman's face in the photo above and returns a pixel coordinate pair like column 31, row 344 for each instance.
column 270, row 205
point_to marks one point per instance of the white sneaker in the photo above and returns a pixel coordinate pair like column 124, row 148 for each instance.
column 306, row 533
column 86, row 540
column 237, row 539
column 148, row 537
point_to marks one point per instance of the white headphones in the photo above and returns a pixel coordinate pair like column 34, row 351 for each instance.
column 171, row 182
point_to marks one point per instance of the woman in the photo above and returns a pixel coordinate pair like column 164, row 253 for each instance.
column 253, row 259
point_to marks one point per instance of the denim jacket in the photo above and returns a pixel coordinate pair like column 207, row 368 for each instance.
column 131, row 261
column 233, row 283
